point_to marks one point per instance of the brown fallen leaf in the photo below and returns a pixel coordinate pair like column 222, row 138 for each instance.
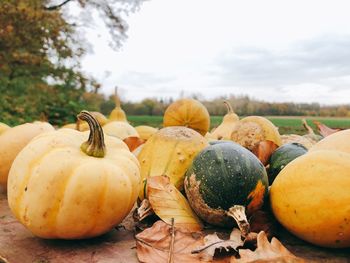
column 143, row 211
column 214, row 245
column 324, row 130
column 263, row 221
column 154, row 243
column 267, row 252
column 263, row 151
column 167, row 202
column 133, row 142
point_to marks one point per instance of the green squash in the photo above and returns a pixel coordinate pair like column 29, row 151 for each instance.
column 282, row 156
column 224, row 181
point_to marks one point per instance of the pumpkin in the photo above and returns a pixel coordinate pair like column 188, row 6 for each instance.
column 189, row 113
column 117, row 113
column 310, row 197
column 224, row 130
column 145, row 132
column 84, row 126
column 282, row 156
column 170, row 152
column 339, row 141
column 13, row 140
column 226, row 180
column 251, row 130
column 120, row 129
column 3, row 127
column 72, row 185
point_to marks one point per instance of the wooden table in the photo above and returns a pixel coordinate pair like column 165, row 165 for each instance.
column 17, row 245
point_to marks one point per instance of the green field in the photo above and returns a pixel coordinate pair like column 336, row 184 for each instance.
column 286, row 124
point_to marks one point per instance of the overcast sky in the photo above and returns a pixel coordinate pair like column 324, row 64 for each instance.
column 271, row 50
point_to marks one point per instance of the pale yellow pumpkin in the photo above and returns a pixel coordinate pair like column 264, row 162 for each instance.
column 189, row 113
column 310, row 197
column 339, row 141
column 3, row 127
column 62, row 186
column 252, row 130
column 224, row 130
column 120, row 129
column 13, row 140
column 145, row 132
column 69, row 126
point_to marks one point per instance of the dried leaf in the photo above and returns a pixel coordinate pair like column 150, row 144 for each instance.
column 133, row 142
column 267, row 252
column 167, row 203
column 263, row 150
column 153, row 244
column 213, row 244
column 143, row 211
column 324, row 130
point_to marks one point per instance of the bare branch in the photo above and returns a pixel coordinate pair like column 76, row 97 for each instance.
column 55, row 7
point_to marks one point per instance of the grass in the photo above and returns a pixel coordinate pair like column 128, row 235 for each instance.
column 286, row 124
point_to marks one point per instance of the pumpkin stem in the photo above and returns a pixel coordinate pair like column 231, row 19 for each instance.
column 116, row 98
column 307, row 127
column 238, row 214
column 228, row 106
column 95, row 145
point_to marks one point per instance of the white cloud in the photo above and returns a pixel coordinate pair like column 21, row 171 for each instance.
column 269, row 49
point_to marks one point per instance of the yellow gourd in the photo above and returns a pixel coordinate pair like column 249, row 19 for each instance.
column 71, row 185
column 252, row 130
column 145, row 132
column 120, row 129
column 13, row 140
column 310, row 197
column 3, row 127
column 224, row 130
column 70, row 126
column 169, row 152
column 117, row 114
column 189, row 113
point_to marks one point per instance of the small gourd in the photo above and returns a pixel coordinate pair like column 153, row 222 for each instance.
column 189, row 113
column 224, row 130
column 117, row 113
column 71, row 185
column 13, row 140
column 120, row 129
column 145, row 132
column 282, row 156
column 170, row 152
column 252, row 130
column 226, row 180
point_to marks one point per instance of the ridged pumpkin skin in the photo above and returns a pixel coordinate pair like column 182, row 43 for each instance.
column 170, row 152
column 282, row 156
column 189, row 113
column 251, row 130
column 221, row 176
column 57, row 191
column 339, row 141
column 310, row 197
column 13, row 140
column 120, row 129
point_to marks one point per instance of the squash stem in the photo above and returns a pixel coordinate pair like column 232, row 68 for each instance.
column 238, row 214
column 228, row 106
column 95, row 145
